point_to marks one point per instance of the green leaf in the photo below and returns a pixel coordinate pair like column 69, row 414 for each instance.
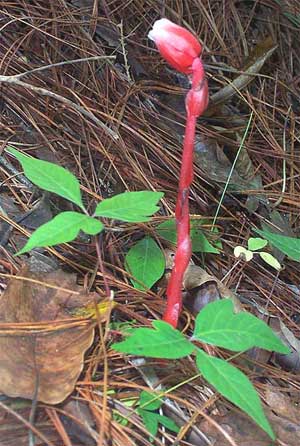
column 235, row 386
column 130, row 206
column 167, row 230
column 240, row 251
column 217, row 324
column 168, row 423
column 152, row 419
column 270, row 260
column 161, row 342
column 120, row 419
column 146, row 262
column 288, row 245
column 61, row 229
column 50, row 177
column 147, row 401
column 256, row 243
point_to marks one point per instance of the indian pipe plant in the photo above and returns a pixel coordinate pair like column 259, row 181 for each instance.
column 217, row 323
column 183, row 52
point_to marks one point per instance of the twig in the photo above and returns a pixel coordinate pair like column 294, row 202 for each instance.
column 13, row 80
column 58, row 64
column 13, row 171
column 101, row 266
column 280, row 198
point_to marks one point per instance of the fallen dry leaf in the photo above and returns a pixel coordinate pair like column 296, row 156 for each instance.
column 282, row 405
column 81, row 432
column 290, row 362
column 200, row 287
column 217, row 167
column 41, row 346
column 246, row 433
column 203, row 288
column 252, row 66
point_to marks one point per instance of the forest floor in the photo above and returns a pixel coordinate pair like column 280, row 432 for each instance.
column 114, row 115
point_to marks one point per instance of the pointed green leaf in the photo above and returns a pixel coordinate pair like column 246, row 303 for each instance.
column 167, row 230
column 130, row 206
column 270, row 260
column 168, row 423
column 288, row 245
column 150, row 420
column 148, row 401
column 61, row 229
column 161, row 342
column 235, row 386
column 217, row 324
column 146, row 262
column 200, row 243
column 256, row 243
column 50, row 177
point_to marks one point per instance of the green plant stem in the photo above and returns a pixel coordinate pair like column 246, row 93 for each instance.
column 101, row 267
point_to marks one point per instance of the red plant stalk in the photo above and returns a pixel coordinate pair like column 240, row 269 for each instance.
column 181, row 49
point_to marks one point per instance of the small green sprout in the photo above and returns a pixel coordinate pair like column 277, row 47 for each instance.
column 254, row 246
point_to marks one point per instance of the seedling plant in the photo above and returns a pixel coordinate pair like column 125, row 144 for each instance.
column 255, row 244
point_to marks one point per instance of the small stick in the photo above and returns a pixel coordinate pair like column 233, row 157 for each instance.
column 13, row 80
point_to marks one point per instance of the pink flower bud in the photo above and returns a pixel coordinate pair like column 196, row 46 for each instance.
column 176, row 45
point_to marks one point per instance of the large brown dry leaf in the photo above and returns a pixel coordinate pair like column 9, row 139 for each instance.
column 38, row 354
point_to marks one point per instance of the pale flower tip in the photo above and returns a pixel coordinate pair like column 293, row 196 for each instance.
column 150, row 35
column 158, row 29
column 161, row 23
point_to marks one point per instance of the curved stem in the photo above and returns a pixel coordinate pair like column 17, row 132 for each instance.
column 183, row 251
column 196, row 103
